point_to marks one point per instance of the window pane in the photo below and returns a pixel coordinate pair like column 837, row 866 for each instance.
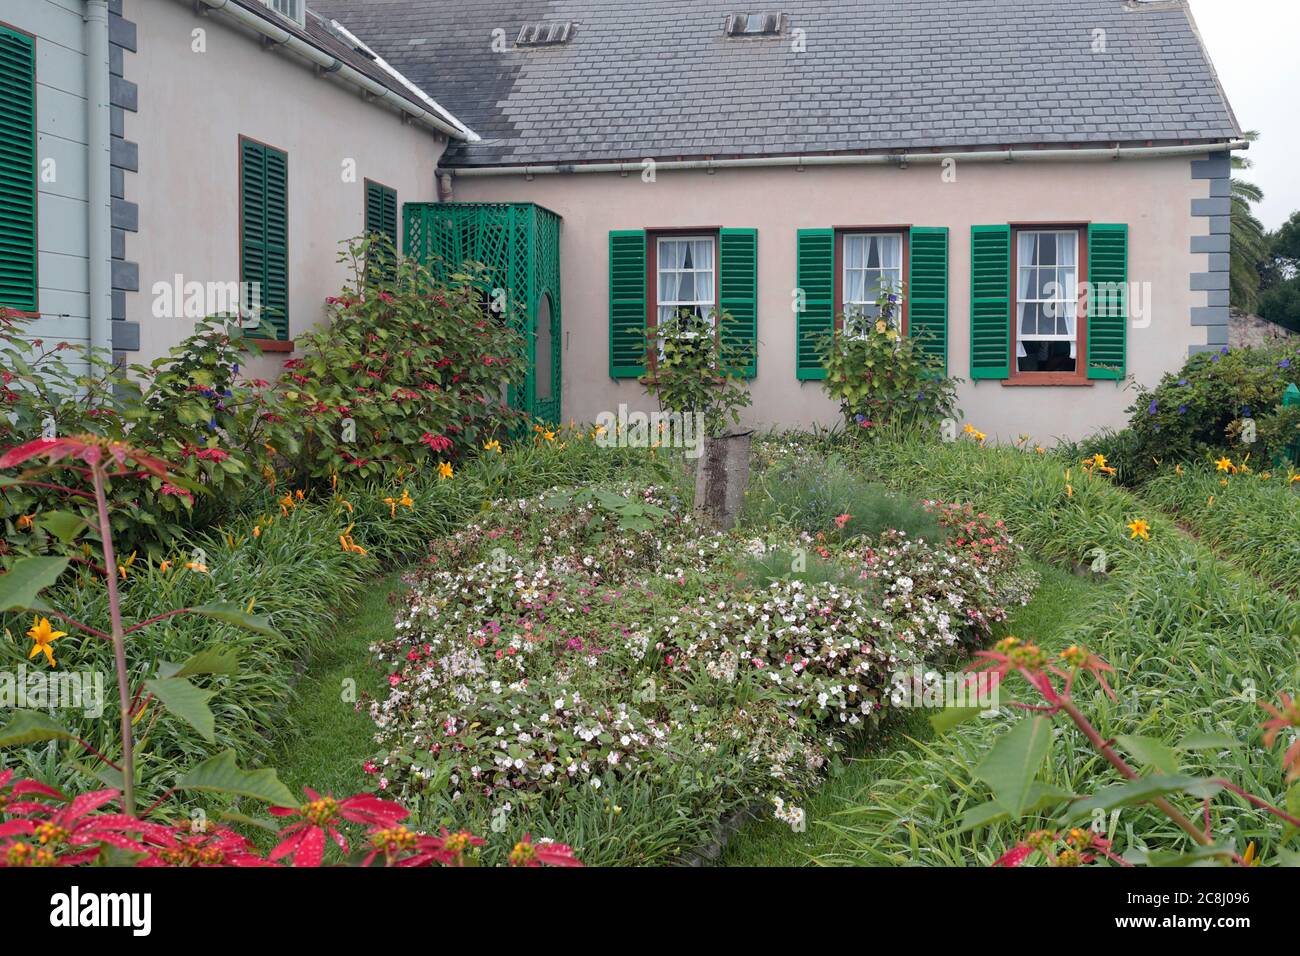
column 854, row 254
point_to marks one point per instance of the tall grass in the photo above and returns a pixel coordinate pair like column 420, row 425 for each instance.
column 1253, row 519
column 1194, row 642
column 295, row 572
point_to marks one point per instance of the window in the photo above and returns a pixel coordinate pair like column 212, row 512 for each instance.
column 381, row 211
column 873, row 262
column 1046, row 311
column 686, row 277
column 264, row 238
column 295, row 10
column 18, row 285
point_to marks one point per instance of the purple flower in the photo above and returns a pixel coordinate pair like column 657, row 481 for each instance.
column 1182, row 409
column 1153, row 407
column 1285, row 363
column 1223, row 351
column 1214, row 357
column 1182, row 381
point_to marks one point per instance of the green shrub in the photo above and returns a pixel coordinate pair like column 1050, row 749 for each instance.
column 697, row 371
column 1212, row 407
column 409, row 372
column 878, row 375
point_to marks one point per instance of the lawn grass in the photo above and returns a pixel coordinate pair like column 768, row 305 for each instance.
column 331, row 738
column 768, row 842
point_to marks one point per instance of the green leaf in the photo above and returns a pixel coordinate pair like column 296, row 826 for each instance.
column 215, row 660
column 1141, row 790
column 230, row 613
column 1207, row 742
column 1193, row 857
column 21, row 587
column 64, row 525
column 1150, row 752
column 186, row 701
column 950, row 717
column 1041, row 797
column 31, row 727
column 220, row 774
column 1012, row 764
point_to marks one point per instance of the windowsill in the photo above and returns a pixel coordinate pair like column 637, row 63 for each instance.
column 275, row 345
column 1029, row 379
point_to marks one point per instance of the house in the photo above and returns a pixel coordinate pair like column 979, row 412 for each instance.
column 1046, row 179
column 193, row 159
column 991, row 155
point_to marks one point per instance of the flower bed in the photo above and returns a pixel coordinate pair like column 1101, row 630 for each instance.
column 565, row 656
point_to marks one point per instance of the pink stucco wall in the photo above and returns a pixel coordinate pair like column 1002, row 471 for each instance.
column 194, row 105
column 1153, row 196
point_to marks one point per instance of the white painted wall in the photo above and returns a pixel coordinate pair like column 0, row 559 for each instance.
column 194, row 106
column 63, row 277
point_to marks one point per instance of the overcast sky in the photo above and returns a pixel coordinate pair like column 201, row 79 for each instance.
column 1255, row 46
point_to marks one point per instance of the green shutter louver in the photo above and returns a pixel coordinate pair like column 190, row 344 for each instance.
column 381, row 211
column 927, row 290
column 990, row 302
column 17, row 171
column 627, row 303
column 264, row 239
column 815, row 269
column 738, row 252
column 1107, row 300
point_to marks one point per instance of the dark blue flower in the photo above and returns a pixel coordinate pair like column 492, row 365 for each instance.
column 1153, row 407
column 1182, row 409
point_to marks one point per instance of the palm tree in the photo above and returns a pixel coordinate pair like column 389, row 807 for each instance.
column 1249, row 245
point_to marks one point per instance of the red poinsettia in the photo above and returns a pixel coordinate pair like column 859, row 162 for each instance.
column 403, row 847
column 304, row 842
column 217, row 846
column 91, row 449
column 1288, row 715
column 528, row 853
column 74, row 829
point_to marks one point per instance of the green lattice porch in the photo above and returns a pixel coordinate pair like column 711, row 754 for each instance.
column 519, row 245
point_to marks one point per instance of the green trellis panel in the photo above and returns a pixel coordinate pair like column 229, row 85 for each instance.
column 518, row 244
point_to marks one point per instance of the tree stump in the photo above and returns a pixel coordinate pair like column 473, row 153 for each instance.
column 722, row 476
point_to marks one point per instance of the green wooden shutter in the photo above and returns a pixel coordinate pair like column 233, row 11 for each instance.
column 1107, row 300
column 381, row 211
column 739, row 282
column 17, row 171
column 627, row 303
column 816, row 278
column 990, row 302
column 264, row 242
column 927, row 289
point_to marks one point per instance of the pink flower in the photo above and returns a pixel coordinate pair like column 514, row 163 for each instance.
column 842, row 520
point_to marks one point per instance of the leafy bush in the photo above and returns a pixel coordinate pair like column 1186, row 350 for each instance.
column 408, row 372
column 696, row 370
column 187, row 408
column 1220, row 402
column 878, row 375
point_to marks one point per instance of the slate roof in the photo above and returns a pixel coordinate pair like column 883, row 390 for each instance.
column 658, row 78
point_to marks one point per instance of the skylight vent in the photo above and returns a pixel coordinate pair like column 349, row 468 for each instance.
column 544, row 34
column 755, row 24
column 295, row 10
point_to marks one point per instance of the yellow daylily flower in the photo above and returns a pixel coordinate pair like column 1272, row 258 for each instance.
column 196, row 566
column 44, row 635
column 26, row 521
column 1040, row 450
column 492, row 445
column 124, row 567
column 1139, row 529
column 1224, row 464
column 969, row 429
column 445, row 470
column 406, row 500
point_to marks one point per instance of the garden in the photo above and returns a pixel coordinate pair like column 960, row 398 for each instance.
column 368, row 614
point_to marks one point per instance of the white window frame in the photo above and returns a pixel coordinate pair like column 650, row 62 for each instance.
column 859, row 309
column 1067, row 299
column 708, row 307
column 295, row 10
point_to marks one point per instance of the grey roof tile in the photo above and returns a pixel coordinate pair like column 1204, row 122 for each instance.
column 658, row 78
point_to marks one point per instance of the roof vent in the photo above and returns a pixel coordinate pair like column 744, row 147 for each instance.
column 544, row 34
column 755, row 24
